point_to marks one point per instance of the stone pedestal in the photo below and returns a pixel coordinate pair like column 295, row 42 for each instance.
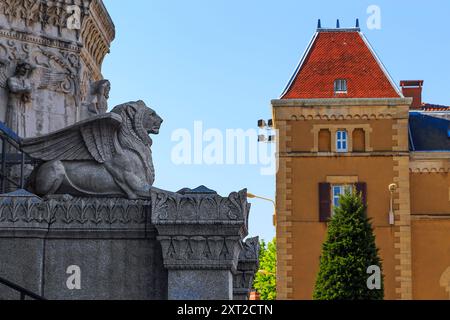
column 246, row 270
column 200, row 285
column 111, row 241
column 180, row 246
column 201, row 237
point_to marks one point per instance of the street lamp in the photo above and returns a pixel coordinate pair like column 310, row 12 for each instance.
column 392, row 189
column 269, row 137
column 252, row 196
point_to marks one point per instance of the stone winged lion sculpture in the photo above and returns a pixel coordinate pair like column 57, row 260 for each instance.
column 107, row 155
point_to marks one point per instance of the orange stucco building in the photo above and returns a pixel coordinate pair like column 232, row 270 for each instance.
column 343, row 123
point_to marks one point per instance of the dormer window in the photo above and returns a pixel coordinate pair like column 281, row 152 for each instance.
column 340, row 86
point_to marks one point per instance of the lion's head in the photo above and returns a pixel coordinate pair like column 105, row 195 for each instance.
column 140, row 119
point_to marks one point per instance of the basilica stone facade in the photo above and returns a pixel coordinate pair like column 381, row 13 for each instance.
column 51, row 53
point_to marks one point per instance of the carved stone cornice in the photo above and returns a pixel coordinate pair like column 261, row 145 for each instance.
column 200, row 252
column 103, row 20
column 80, row 213
column 43, row 13
column 175, row 208
column 247, row 267
column 430, row 162
column 46, row 41
column 97, row 34
column 200, row 231
column 340, row 109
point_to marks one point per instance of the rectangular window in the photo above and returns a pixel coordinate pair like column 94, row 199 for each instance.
column 337, row 191
column 341, row 141
column 340, row 86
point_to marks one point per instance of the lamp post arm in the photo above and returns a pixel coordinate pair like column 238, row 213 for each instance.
column 252, row 196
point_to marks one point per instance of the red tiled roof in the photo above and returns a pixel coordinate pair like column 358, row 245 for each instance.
column 340, row 55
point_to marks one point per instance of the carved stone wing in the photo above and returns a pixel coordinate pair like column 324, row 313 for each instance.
column 92, row 139
column 58, row 81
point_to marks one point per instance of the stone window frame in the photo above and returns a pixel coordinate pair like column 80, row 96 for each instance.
column 343, row 188
column 334, row 128
column 343, row 181
column 342, row 139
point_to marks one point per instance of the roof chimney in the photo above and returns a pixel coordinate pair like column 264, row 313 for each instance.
column 413, row 89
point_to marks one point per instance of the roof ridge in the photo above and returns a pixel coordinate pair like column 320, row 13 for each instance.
column 339, row 30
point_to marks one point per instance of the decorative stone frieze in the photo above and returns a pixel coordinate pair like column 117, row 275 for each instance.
column 430, row 162
column 64, row 42
column 201, row 238
column 246, row 270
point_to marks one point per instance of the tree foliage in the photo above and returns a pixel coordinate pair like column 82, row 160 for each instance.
column 348, row 252
column 265, row 280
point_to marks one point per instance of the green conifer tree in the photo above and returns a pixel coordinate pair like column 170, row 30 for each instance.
column 348, row 252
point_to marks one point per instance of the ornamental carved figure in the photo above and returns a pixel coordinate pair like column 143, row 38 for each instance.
column 98, row 100
column 108, row 155
column 20, row 88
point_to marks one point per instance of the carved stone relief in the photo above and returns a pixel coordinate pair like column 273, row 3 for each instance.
column 55, row 13
column 52, row 87
column 97, row 99
column 246, row 270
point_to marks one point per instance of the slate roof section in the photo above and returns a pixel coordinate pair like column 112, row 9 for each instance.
column 340, row 54
column 199, row 190
column 428, row 133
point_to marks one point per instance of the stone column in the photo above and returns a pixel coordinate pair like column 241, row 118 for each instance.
column 201, row 237
column 247, row 267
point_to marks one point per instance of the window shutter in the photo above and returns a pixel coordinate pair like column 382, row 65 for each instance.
column 324, row 202
column 361, row 188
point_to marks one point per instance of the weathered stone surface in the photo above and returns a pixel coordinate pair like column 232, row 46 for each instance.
column 111, row 240
column 105, row 156
column 21, row 262
column 201, row 238
column 200, row 285
column 111, row 269
column 97, row 102
column 247, row 267
column 65, row 42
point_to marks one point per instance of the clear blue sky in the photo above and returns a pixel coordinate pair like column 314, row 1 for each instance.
column 222, row 62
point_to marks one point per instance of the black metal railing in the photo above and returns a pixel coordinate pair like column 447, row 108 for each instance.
column 12, row 156
column 24, row 293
